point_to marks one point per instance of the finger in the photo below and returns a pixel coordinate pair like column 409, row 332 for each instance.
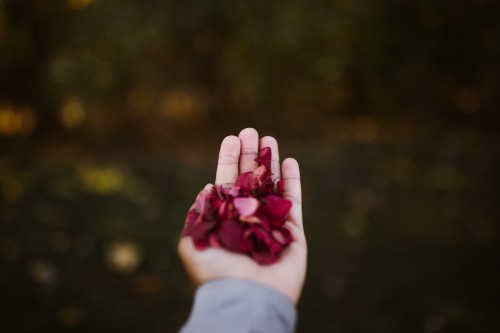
column 269, row 141
column 227, row 166
column 292, row 189
column 249, row 147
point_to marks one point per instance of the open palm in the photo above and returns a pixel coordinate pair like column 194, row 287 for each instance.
column 237, row 155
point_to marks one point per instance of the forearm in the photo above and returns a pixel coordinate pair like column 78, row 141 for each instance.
column 238, row 305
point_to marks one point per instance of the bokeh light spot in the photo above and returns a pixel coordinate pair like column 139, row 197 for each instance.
column 101, row 179
column 15, row 121
column 72, row 113
column 124, row 257
column 181, row 104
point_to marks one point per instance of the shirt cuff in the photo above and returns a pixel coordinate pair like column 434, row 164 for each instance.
column 239, row 305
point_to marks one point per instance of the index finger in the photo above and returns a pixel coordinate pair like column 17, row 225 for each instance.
column 292, row 190
column 227, row 166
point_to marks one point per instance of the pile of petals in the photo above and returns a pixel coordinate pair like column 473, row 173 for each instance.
column 245, row 218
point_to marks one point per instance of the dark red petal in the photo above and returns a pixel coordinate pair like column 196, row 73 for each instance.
column 264, row 258
column 231, row 235
column 191, row 216
column 276, row 208
column 201, row 229
column 202, row 202
column 243, row 182
column 246, row 206
column 280, row 185
column 265, row 223
column 201, row 244
column 213, row 240
column 215, row 203
column 282, row 236
column 277, row 223
column 265, row 157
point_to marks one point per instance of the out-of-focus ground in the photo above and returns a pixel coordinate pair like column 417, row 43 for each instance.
column 111, row 113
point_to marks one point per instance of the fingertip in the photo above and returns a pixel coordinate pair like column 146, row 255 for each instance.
column 291, row 161
column 268, row 141
column 227, row 165
column 231, row 142
column 248, row 133
column 291, row 168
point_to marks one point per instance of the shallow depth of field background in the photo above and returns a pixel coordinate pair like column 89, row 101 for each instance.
column 111, row 113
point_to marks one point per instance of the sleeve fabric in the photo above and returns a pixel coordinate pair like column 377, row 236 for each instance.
column 236, row 305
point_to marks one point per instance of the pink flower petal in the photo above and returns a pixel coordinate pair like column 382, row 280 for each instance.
column 258, row 177
column 246, row 206
column 223, row 192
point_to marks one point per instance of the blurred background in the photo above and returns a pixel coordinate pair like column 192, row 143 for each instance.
column 111, row 114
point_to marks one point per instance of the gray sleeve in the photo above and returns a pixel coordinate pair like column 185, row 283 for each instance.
column 237, row 305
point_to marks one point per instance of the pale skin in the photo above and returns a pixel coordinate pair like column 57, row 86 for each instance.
column 237, row 155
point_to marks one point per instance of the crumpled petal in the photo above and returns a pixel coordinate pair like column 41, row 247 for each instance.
column 231, row 234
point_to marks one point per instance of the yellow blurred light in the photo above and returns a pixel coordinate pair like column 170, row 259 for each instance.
column 124, row 256
column 16, row 121
column 181, row 104
column 103, row 180
column 78, row 4
column 72, row 113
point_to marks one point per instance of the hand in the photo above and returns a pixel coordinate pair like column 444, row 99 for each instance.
column 237, row 155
